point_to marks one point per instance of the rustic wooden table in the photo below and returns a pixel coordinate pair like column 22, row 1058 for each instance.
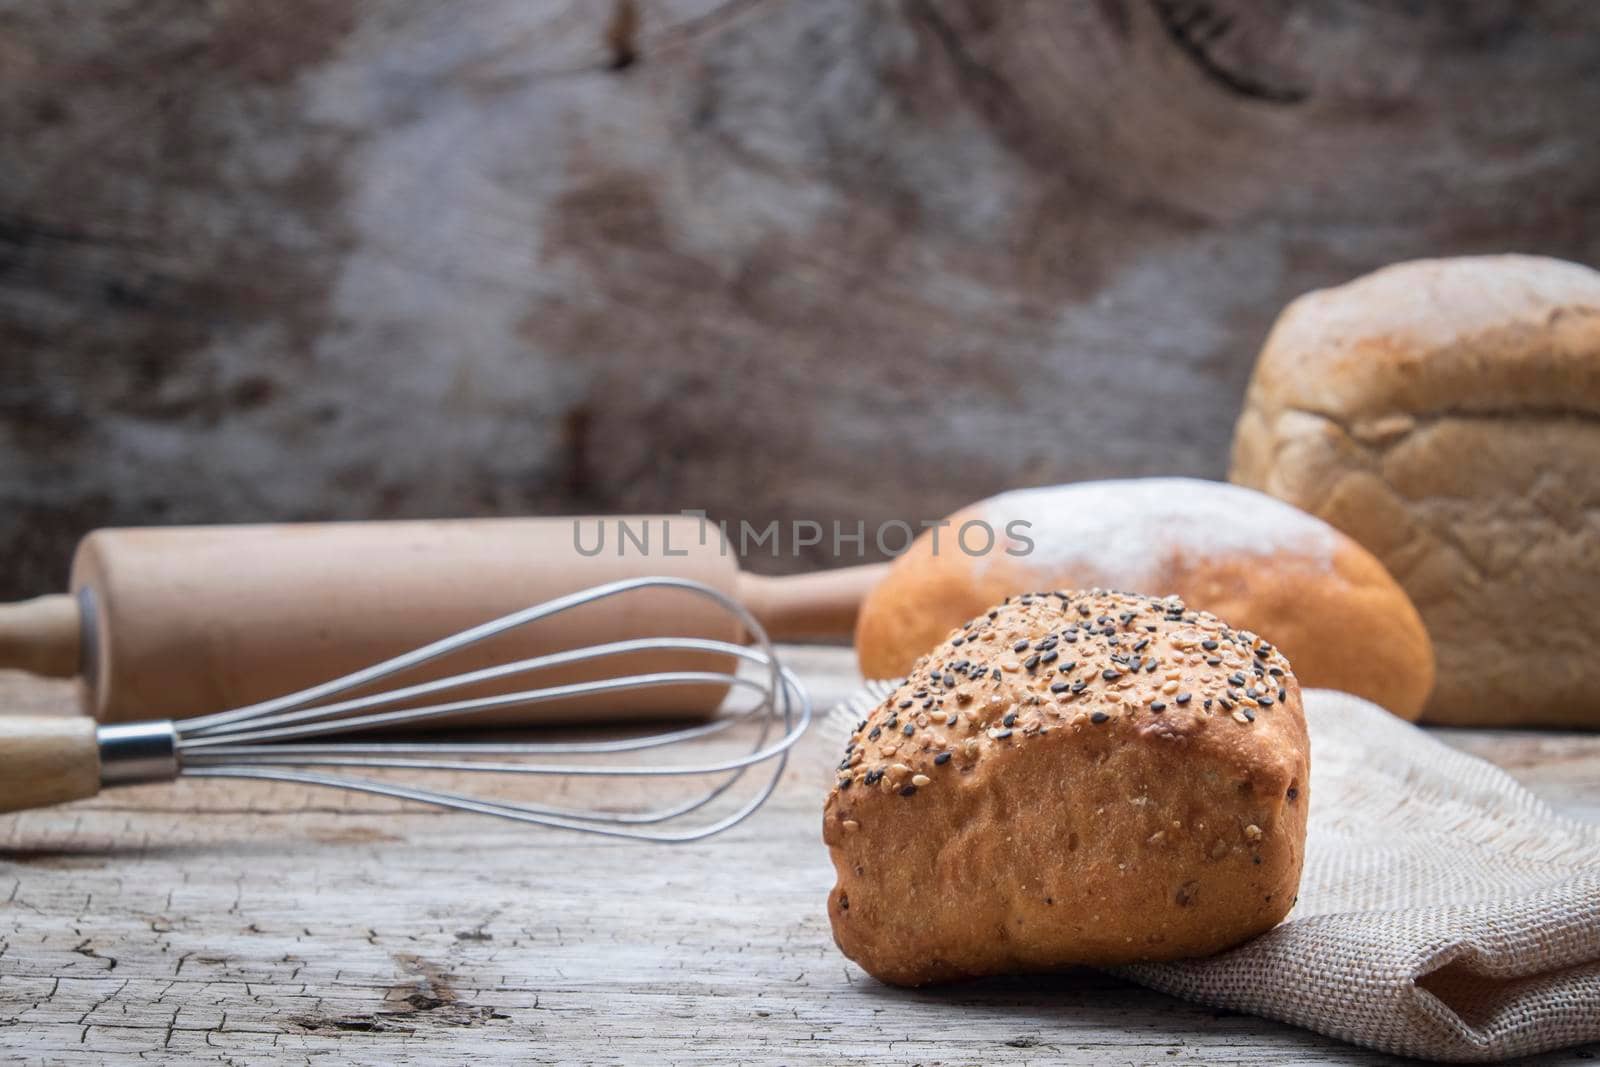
column 256, row 923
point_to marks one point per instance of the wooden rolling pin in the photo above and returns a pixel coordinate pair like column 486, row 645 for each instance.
column 179, row 621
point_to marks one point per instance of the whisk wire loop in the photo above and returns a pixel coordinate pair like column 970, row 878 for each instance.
column 262, row 741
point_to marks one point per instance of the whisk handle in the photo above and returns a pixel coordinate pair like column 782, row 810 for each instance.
column 47, row 760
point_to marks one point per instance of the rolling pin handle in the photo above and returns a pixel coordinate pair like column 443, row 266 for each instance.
column 43, row 636
column 820, row 605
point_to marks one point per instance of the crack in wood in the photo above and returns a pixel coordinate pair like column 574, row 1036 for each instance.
column 622, row 34
column 83, row 948
column 1197, row 27
column 985, row 87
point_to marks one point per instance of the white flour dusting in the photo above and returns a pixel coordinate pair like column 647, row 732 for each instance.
column 1120, row 534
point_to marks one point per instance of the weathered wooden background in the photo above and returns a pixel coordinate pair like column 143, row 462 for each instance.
column 774, row 258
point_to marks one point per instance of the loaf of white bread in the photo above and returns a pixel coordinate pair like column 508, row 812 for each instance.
column 1264, row 566
column 1446, row 414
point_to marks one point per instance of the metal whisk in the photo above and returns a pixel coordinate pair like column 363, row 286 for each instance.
column 49, row 760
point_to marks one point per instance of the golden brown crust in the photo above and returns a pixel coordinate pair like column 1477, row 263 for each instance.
column 1327, row 602
column 1446, row 415
column 1474, row 333
column 1071, row 778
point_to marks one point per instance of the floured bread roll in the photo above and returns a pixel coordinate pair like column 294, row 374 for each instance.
column 1261, row 564
column 1071, row 778
column 1446, row 414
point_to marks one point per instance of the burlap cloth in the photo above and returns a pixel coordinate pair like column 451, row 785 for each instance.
column 1444, row 912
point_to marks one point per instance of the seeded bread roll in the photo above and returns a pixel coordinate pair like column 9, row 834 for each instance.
column 1325, row 600
column 1446, row 414
column 1071, row 778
